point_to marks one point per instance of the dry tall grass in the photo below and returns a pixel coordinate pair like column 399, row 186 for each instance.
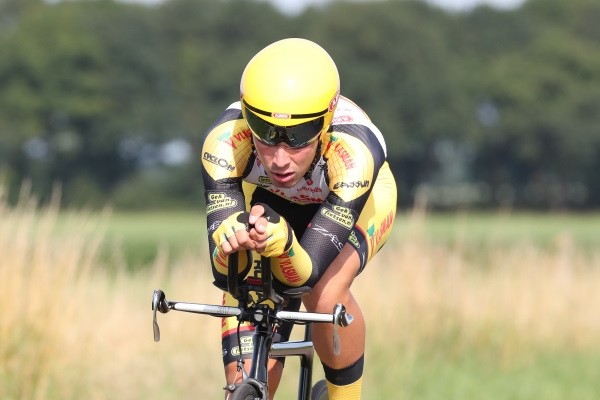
column 510, row 301
column 70, row 330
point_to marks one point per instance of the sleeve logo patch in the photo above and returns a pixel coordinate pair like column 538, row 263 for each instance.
column 354, row 240
column 219, row 201
column 339, row 215
column 221, row 162
column 351, row 185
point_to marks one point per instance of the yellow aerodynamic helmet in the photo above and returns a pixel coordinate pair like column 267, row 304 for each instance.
column 289, row 91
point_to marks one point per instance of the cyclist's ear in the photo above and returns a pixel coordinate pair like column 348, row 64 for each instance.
column 269, row 214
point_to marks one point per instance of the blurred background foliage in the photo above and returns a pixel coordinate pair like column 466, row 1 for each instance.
column 108, row 101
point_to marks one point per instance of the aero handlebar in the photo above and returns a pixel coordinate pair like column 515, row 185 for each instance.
column 338, row 317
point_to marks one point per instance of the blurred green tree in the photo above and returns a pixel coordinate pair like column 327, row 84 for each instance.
column 500, row 105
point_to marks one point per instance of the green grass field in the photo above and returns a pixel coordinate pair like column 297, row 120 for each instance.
column 458, row 306
column 141, row 235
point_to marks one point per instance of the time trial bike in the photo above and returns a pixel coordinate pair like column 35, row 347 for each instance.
column 263, row 307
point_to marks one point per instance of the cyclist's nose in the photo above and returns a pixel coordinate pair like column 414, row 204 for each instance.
column 281, row 157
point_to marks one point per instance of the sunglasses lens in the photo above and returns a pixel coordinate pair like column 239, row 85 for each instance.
column 302, row 134
column 294, row 136
column 266, row 132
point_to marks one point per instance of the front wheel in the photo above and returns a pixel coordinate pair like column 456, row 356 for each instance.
column 245, row 391
column 319, row 391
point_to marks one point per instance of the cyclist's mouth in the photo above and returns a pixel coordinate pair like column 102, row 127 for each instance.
column 283, row 178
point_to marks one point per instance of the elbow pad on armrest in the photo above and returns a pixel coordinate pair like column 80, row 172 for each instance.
column 221, row 284
column 292, row 268
column 290, row 291
column 293, row 272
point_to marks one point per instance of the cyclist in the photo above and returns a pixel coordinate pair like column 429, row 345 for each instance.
column 298, row 173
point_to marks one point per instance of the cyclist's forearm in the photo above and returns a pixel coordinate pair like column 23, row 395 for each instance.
column 294, row 267
column 220, row 204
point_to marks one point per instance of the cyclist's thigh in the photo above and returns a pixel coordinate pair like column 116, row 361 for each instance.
column 375, row 222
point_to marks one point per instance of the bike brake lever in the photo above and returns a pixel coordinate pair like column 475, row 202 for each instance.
column 158, row 303
column 340, row 318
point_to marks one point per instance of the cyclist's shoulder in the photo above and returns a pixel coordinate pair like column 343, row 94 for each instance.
column 350, row 123
column 229, row 129
column 235, row 106
column 348, row 112
column 227, row 143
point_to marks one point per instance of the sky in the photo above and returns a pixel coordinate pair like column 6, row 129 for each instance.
column 468, row 4
column 297, row 6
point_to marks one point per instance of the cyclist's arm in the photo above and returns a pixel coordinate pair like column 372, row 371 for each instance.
column 354, row 157
column 226, row 154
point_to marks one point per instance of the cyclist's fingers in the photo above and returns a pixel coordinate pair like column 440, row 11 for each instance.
column 253, row 235
column 234, row 242
column 260, row 248
column 244, row 240
column 229, row 242
column 256, row 212
column 226, row 248
column 257, row 237
column 260, row 226
column 260, row 245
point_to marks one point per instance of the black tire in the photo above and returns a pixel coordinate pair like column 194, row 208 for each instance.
column 319, row 391
column 245, row 391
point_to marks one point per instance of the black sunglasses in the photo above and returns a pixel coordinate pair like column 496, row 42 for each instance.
column 295, row 136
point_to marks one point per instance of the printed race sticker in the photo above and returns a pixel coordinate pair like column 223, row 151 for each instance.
column 340, row 215
column 219, row 201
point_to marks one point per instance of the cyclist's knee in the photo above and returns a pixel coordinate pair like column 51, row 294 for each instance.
column 323, row 299
column 334, row 285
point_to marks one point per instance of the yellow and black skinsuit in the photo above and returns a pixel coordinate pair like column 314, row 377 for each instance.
column 347, row 196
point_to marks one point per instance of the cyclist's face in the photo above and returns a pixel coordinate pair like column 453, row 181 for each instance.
column 284, row 165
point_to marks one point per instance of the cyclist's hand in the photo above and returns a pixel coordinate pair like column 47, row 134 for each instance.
column 258, row 225
column 270, row 232
column 232, row 235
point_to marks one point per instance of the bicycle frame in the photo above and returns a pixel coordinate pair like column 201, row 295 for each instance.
column 265, row 319
column 305, row 351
